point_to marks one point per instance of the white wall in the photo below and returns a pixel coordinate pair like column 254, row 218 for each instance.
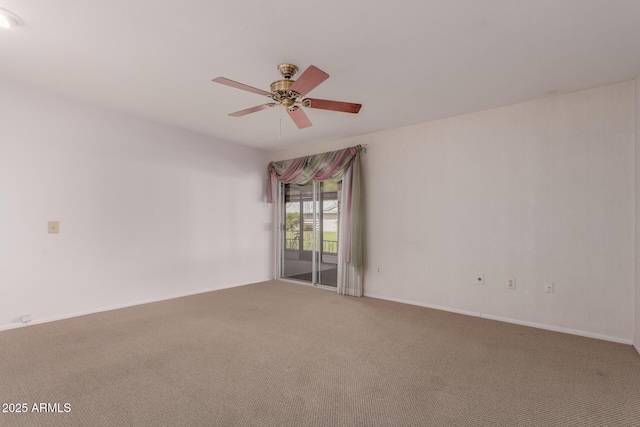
column 146, row 211
column 540, row 191
column 636, row 341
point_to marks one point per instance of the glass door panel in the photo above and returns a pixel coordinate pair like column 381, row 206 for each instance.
column 297, row 236
column 309, row 237
column 329, row 214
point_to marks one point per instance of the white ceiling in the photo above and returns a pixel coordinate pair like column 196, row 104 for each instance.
column 406, row 61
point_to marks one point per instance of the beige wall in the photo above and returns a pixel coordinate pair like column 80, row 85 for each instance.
column 541, row 192
column 146, row 211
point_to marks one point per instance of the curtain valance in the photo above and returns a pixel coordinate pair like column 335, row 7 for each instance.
column 320, row 167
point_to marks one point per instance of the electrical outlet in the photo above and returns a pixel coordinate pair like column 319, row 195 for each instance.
column 511, row 284
column 26, row 318
column 548, row 288
column 480, row 279
column 379, row 270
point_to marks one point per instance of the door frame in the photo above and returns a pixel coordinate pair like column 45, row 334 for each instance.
column 280, row 238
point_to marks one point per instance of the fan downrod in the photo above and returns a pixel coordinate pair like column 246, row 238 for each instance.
column 287, row 70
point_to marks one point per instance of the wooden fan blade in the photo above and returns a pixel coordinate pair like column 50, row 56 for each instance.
column 237, row 85
column 324, row 104
column 251, row 110
column 300, row 118
column 309, row 80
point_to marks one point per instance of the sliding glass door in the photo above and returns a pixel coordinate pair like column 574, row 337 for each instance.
column 309, row 232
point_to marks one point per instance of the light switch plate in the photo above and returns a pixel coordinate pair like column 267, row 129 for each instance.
column 54, row 227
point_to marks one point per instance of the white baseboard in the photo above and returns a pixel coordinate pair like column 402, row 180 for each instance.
column 119, row 306
column 510, row 320
column 421, row 304
column 559, row 329
column 11, row 326
column 403, row 301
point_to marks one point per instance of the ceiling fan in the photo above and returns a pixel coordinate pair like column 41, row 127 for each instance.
column 291, row 94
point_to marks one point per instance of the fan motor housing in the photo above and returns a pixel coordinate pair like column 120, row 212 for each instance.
column 281, row 85
column 281, row 92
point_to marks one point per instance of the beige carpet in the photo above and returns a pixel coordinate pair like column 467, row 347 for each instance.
column 280, row 354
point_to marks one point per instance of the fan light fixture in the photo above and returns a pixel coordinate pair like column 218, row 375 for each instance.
column 8, row 19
